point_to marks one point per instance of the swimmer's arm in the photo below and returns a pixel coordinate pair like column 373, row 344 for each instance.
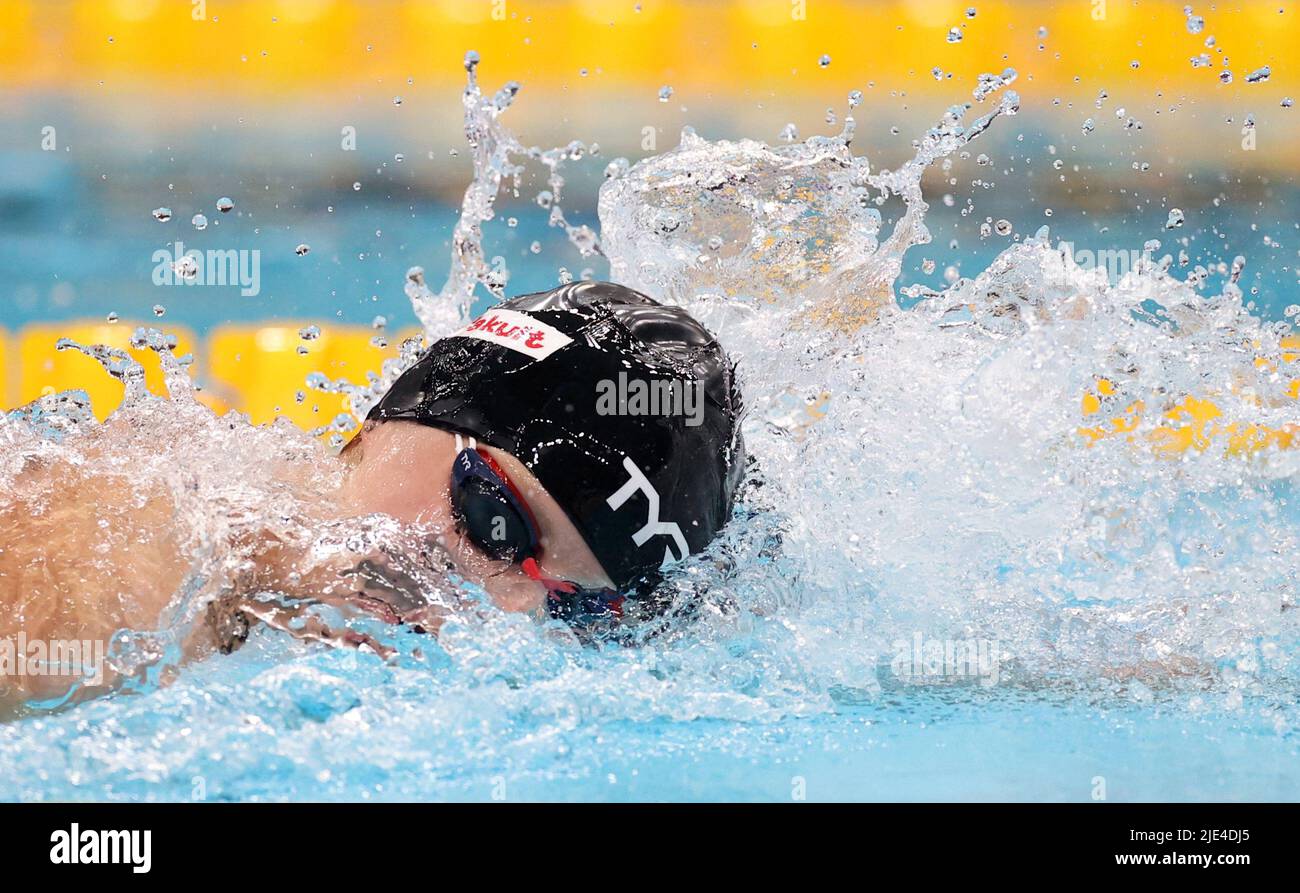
column 81, row 556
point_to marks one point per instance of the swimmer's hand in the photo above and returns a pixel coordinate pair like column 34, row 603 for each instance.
column 284, row 580
column 297, row 620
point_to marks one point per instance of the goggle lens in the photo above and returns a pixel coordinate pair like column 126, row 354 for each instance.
column 486, row 511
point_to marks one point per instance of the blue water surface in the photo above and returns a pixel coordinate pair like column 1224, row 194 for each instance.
column 325, row 726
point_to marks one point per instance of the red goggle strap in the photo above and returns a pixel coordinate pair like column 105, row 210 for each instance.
column 535, row 573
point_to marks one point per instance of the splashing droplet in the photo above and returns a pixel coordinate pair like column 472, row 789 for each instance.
column 302, row 249
column 224, row 205
column 617, row 168
column 199, row 221
column 186, row 267
column 1175, row 220
column 162, row 214
column 665, row 93
column 991, row 83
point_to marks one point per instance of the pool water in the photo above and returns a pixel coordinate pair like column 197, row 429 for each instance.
column 321, row 726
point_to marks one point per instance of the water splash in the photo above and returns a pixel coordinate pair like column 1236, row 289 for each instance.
column 791, row 228
column 497, row 156
column 978, row 498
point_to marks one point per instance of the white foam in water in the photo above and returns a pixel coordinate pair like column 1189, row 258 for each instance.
column 916, row 473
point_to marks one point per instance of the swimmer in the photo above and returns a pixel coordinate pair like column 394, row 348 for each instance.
column 566, row 447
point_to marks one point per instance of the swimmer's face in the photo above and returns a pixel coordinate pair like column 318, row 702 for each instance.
column 403, row 469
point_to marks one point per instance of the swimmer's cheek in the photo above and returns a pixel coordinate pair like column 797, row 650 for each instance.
column 508, row 587
column 516, row 593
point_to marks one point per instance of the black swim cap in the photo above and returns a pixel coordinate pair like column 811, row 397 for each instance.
column 624, row 409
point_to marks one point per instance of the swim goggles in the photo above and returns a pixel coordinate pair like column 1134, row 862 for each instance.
column 493, row 514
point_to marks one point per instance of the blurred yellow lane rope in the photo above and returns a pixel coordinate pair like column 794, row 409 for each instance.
column 729, row 47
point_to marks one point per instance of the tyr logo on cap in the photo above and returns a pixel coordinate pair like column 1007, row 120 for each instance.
column 637, row 481
column 517, row 331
